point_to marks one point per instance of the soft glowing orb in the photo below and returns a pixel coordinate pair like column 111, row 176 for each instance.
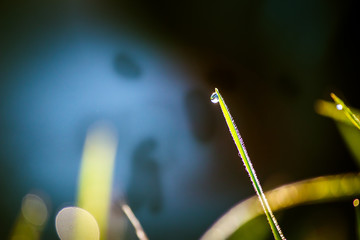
column 76, row 223
column 34, row 209
column 356, row 202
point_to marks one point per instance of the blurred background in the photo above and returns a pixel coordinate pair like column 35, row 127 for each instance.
column 148, row 70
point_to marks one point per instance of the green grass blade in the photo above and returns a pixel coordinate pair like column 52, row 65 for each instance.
column 246, row 160
column 348, row 113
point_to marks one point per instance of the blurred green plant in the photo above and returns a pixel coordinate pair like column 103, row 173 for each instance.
column 344, row 125
column 348, row 113
column 310, row 191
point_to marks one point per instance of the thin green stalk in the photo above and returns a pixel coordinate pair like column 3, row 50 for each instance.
column 348, row 113
column 216, row 97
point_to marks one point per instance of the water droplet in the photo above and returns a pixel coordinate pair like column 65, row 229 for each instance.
column 214, row 97
column 339, row 106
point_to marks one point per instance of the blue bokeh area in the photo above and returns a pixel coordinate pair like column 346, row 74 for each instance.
column 75, row 77
column 147, row 69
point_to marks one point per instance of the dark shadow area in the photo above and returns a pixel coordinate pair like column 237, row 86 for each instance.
column 200, row 115
column 145, row 182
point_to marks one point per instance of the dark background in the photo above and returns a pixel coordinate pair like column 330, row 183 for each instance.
column 271, row 60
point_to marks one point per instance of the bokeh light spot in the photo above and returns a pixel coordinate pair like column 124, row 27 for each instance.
column 76, row 223
column 34, row 209
column 356, row 202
